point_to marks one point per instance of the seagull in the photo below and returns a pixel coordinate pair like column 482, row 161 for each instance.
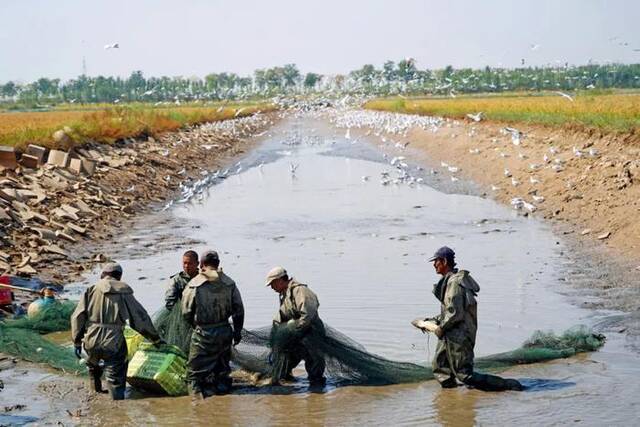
column 111, row 46
column 365, row 178
column 553, row 150
column 593, row 152
column 514, row 182
column 507, row 173
column 517, row 203
column 494, row 188
column 504, row 155
column 534, row 166
column 444, row 165
column 534, row 47
column 401, row 145
column 538, row 199
column 476, row 117
column 454, row 179
column 534, row 180
column 515, row 135
column 453, row 169
column 564, row 95
column 522, row 156
column 474, row 151
column 529, row 206
column 577, row 152
column 347, row 135
column 557, row 168
column 546, row 159
column 292, row 168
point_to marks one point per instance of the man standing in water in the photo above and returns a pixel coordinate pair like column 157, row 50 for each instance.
column 457, row 326
column 208, row 301
column 98, row 321
column 179, row 280
column 299, row 313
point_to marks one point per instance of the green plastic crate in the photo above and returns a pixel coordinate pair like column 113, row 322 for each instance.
column 133, row 340
column 159, row 371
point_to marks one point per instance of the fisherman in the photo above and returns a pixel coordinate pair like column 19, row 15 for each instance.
column 179, row 280
column 299, row 314
column 98, row 322
column 457, row 326
column 208, row 301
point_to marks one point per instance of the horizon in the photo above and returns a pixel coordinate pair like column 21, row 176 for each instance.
column 329, row 39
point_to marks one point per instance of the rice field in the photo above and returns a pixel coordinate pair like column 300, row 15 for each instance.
column 618, row 113
column 110, row 124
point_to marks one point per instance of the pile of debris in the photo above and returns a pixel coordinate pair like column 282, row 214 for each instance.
column 51, row 199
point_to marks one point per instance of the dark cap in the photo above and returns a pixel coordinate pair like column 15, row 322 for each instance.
column 209, row 257
column 112, row 267
column 444, row 252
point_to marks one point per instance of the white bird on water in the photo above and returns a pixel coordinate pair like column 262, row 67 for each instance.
column 453, row 169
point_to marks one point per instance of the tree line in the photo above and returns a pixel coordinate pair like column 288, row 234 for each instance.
column 392, row 78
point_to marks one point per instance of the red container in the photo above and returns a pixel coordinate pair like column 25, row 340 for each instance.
column 6, row 296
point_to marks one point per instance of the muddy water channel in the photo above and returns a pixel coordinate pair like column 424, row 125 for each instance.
column 362, row 247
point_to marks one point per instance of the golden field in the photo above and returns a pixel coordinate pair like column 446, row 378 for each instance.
column 112, row 123
column 619, row 113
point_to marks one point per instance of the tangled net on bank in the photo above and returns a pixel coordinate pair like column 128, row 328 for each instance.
column 264, row 351
column 22, row 338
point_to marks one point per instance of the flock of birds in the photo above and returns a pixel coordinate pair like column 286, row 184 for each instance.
column 383, row 124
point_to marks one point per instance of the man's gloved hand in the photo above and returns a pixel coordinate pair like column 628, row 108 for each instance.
column 78, row 351
column 159, row 343
column 237, row 337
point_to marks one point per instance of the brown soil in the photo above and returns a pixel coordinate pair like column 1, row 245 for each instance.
column 597, row 195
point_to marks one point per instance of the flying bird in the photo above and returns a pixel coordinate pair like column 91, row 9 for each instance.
column 111, row 46
column 564, row 95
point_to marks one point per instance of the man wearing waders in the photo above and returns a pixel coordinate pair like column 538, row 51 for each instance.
column 98, row 322
column 457, row 326
column 299, row 314
column 179, row 281
column 208, row 301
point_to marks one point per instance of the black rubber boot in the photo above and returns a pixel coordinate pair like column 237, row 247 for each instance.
column 488, row 382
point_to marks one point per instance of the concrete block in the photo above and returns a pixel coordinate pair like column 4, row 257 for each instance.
column 58, row 158
column 38, row 152
column 28, row 161
column 8, row 157
column 75, row 165
column 88, row 166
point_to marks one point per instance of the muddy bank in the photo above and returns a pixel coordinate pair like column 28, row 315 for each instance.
column 53, row 219
column 30, row 394
column 587, row 186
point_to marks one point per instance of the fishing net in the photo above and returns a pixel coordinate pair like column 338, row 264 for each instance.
column 22, row 338
column 51, row 318
column 173, row 329
column 265, row 351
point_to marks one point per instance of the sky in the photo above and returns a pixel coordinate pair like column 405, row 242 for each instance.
column 40, row 38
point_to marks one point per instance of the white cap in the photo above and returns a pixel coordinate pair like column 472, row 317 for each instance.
column 275, row 273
